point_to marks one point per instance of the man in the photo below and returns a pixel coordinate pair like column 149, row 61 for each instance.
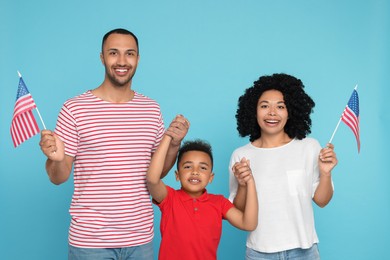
column 108, row 135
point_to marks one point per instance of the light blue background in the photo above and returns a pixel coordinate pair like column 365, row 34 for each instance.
column 197, row 57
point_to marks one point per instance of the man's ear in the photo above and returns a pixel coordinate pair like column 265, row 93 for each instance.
column 102, row 58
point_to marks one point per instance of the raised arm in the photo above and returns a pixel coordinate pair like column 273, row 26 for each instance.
column 242, row 172
column 153, row 177
column 326, row 162
column 177, row 130
column 246, row 216
column 58, row 165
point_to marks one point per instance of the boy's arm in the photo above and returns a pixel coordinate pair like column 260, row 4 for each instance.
column 177, row 130
column 246, row 215
column 153, row 177
column 246, row 219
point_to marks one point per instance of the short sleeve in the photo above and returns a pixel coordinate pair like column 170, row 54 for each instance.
column 66, row 130
column 233, row 184
column 226, row 205
column 160, row 132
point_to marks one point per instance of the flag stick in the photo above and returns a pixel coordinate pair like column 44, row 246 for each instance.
column 39, row 114
column 337, row 126
column 334, row 132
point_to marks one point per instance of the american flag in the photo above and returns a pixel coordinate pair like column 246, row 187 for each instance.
column 23, row 124
column 350, row 116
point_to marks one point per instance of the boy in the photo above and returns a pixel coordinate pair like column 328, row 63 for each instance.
column 191, row 221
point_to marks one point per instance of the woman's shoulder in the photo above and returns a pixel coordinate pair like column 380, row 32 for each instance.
column 309, row 142
column 242, row 148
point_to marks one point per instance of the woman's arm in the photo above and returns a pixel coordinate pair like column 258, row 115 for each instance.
column 326, row 162
column 246, row 215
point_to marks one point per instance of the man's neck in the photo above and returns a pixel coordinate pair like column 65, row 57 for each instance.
column 114, row 94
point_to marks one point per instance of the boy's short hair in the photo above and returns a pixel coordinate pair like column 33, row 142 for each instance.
column 195, row 145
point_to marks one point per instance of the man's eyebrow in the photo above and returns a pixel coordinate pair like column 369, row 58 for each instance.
column 115, row 49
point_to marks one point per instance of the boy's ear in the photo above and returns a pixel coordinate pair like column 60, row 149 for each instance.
column 177, row 175
column 211, row 177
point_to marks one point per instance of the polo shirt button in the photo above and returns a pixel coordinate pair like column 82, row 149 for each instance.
column 195, row 209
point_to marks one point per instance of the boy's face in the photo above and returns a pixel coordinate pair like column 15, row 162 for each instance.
column 195, row 172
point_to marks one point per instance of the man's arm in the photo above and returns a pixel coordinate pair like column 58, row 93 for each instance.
column 58, row 165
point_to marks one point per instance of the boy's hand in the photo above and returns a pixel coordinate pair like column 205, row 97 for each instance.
column 242, row 172
column 327, row 159
column 178, row 129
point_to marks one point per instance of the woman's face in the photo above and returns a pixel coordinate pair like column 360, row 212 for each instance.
column 272, row 113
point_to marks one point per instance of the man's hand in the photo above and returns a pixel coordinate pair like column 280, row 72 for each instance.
column 52, row 146
column 178, row 129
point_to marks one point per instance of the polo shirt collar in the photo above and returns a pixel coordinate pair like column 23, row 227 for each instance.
column 185, row 197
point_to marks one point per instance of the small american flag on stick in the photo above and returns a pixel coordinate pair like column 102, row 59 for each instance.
column 24, row 125
column 351, row 117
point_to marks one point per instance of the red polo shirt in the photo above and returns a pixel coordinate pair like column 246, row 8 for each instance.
column 191, row 227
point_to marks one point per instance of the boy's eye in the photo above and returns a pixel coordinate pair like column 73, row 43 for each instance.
column 186, row 166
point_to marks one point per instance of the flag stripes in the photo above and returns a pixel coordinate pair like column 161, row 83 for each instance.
column 350, row 116
column 23, row 127
column 23, row 124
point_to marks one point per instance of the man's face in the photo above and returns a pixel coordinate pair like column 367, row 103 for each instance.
column 120, row 59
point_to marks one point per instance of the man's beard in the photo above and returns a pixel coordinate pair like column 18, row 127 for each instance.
column 117, row 82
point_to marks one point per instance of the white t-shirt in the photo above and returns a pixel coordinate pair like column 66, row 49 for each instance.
column 286, row 178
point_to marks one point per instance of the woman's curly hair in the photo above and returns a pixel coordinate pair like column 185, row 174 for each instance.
column 299, row 106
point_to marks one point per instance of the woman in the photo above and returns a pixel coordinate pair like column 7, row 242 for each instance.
column 289, row 168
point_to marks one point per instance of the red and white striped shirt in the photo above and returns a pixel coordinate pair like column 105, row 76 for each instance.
column 112, row 144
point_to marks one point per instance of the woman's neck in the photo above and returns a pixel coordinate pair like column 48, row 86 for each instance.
column 271, row 141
